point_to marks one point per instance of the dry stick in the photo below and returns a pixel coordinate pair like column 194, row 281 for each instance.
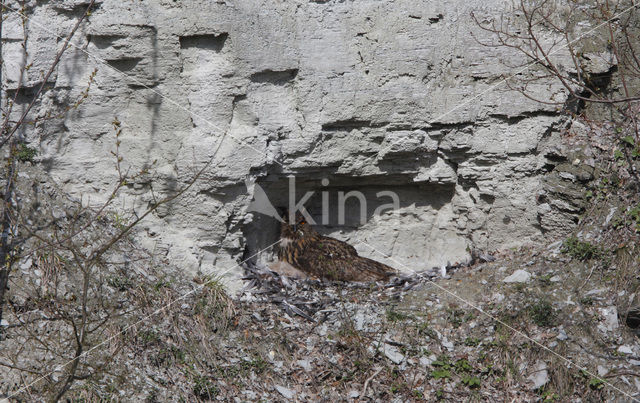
column 542, row 56
column 25, row 55
column 366, row 383
column 621, row 373
column 5, row 246
column 588, row 277
column 48, row 74
column 162, row 308
column 6, row 227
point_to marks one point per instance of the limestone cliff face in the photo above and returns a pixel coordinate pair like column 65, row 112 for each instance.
column 370, row 96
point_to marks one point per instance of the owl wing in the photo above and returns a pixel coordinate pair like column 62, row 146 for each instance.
column 336, row 260
column 365, row 269
column 335, row 247
column 326, row 258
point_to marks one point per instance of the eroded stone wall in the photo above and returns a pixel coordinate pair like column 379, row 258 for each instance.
column 369, row 95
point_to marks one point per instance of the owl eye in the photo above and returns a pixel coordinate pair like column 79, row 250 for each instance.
column 303, row 221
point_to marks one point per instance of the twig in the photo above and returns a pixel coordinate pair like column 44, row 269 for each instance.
column 621, row 373
column 366, row 383
column 588, row 277
column 48, row 74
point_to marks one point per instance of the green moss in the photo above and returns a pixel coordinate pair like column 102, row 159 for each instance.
column 471, row 381
column 120, row 283
column 395, row 316
column 204, row 389
column 25, row 153
column 148, row 337
column 441, row 374
column 463, row 365
column 542, row 314
column 577, row 249
column 596, row 383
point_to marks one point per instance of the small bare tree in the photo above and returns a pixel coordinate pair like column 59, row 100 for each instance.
column 591, row 48
column 13, row 145
column 85, row 283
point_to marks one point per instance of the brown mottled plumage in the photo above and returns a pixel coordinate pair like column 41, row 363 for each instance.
column 324, row 257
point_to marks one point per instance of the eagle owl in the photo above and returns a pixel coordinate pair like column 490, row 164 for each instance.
column 324, row 257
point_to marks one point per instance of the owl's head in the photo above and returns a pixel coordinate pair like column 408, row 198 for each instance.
column 300, row 228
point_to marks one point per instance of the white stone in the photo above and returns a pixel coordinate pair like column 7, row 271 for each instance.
column 285, row 392
column 447, row 344
column 305, row 364
column 26, row 264
column 602, row 371
column 562, row 335
column 425, row 361
column 610, row 316
column 625, row 350
column 393, row 353
column 607, row 220
column 519, row 276
column 539, row 376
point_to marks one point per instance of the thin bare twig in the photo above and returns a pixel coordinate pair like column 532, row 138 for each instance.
column 45, row 79
column 366, row 383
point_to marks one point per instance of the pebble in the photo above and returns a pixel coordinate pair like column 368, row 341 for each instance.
column 556, row 245
column 359, row 320
column 567, row 176
column 447, row 344
column 540, row 375
column 594, row 292
column 610, row 315
column 609, row 216
column 519, row 276
column 287, row 393
column 625, row 350
column 497, row 297
column 392, row 353
column 25, row 265
column 562, row 335
column 305, row 364
column 424, row 361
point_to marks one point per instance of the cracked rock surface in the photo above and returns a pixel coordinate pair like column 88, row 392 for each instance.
column 371, row 97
